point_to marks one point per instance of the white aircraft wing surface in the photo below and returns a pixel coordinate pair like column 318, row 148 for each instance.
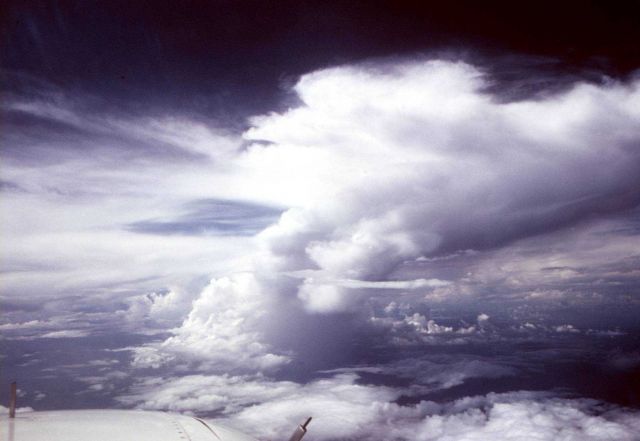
column 112, row 425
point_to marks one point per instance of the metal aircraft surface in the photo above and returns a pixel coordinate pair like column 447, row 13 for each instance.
column 115, row 425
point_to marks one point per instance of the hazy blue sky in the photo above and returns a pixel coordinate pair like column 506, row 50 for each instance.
column 411, row 221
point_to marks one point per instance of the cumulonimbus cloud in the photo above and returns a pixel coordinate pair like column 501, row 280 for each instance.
column 395, row 163
column 416, row 160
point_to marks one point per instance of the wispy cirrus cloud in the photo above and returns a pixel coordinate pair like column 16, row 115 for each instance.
column 94, row 173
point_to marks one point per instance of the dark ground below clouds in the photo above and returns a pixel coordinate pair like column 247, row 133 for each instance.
column 58, row 373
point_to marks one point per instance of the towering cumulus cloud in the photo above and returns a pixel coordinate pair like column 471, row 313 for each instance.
column 385, row 165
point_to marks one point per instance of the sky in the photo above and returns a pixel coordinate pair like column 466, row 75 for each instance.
column 407, row 220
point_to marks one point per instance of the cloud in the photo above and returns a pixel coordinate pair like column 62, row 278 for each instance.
column 438, row 372
column 24, row 325
column 71, row 333
column 406, row 326
column 323, row 294
column 496, row 416
column 396, row 165
column 344, row 409
column 394, row 284
column 224, row 393
column 331, row 399
column 104, row 383
column 222, row 330
column 95, row 172
column 54, row 327
column 384, row 171
column 215, row 217
column 400, row 162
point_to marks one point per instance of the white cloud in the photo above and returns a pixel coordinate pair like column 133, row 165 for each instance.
column 506, row 416
column 411, row 160
column 380, row 167
column 320, row 293
column 162, row 309
column 222, row 329
column 149, row 357
column 105, row 382
column 277, row 405
column 396, row 284
column 38, row 327
column 223, row 393
column 437, row 372
column 566, row 328
column 5, row 410
column 407, row 327
column 110, row 173
column 31, row 324
column 68, row 333
column 324, row 297
column 343, row 409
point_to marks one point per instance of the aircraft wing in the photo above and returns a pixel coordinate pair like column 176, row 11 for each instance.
column 112, row 425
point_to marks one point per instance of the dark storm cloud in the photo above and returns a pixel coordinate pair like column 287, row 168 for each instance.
column 228, row 58
column 543, row 209
column 212, row 217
